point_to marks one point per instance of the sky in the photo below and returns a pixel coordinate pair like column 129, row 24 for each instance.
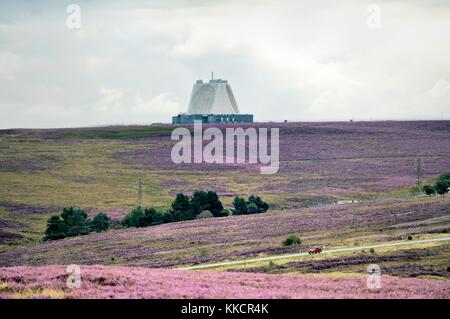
column 134, row 62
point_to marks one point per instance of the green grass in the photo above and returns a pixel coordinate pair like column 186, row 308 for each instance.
column 31, row 228
column 439, row 260
column 85, row 176
column 121, row 134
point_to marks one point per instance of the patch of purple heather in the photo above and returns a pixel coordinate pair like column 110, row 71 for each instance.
column 132, row 282
column 24, row 209
column 225, row 238
column 360, row 156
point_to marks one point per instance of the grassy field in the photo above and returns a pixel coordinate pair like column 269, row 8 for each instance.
column 42, row 171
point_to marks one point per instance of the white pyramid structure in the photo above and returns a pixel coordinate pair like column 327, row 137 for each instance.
column 212, row 102
column 214, row 97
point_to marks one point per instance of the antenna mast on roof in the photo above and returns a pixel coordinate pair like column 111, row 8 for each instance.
column 212, row 76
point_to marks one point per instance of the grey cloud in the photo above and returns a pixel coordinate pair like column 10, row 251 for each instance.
column 135, row 61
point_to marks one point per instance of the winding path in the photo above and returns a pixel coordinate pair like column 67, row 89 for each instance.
column 245, row 261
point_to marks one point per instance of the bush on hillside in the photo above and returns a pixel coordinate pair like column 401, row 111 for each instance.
column 240, row 206
column 100, row 223
column 55, row 228
column 177, row 216
column 254, row 205
column 441, row 187
column 202, row 200
column 76, row 221
column 134, row 218
column 224, row 213
column 181, row 209
column 152, row 217
column 205, row 214
column 292, row 240
column 140, row 217
column 444, row 177
column 429, row 190
column 181, row 202
column 260, row 204
column 72, row 222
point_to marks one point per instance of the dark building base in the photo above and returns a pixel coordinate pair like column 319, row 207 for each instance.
column 212, row 118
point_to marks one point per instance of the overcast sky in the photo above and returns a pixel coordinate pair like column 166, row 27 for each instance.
column 134, row 62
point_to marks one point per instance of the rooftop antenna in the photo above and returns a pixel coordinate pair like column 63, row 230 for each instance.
column 212, row 76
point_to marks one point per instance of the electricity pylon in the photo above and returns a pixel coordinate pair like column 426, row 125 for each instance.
column 139, row 189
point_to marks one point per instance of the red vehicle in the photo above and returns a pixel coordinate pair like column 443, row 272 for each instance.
column 314, row 250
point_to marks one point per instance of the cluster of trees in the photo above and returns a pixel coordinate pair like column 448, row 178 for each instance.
column 74, row 222
column 201, row 205
column 183, row 208
column 254, row 205
column 440, row 187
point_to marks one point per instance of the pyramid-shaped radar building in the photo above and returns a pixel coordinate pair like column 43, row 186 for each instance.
column 212, row 102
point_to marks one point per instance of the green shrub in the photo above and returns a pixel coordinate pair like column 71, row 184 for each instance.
column 223, row 213
column 410, row 237
column 76, row 221
column 429, row 190
column 170, row 216
column 134, row 218
column 100, row 222
column 444, row 177
column 72, row 222
column 372, row 251
column 441, row 187
column 202, row 200
column 240, row 206
column 252, row 208
column 178, row 216
column 205, row 214
column 182, row 205
column 152, row 217
column 260, row 204
column 55, row 228
column 254, row 205
column 445, row 230
column 140, row 217
column 292, row 240
column 115, row 223
column 203, row 252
